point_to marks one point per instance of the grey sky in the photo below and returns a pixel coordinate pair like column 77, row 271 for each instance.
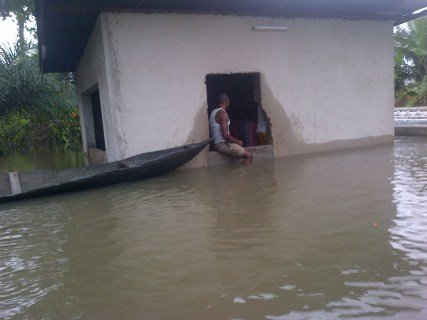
column 9, row 32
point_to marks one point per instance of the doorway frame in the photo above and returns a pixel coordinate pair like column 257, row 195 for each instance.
column 94, row 154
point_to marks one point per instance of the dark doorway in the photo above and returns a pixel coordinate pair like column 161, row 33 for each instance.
column 97, row 120
column 243, row 89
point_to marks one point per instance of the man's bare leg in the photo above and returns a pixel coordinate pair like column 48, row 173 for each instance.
column 248, row 157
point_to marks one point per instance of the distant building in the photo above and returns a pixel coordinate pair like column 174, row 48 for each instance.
column 149, row 71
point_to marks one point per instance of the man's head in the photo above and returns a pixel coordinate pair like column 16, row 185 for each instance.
column 223, row 101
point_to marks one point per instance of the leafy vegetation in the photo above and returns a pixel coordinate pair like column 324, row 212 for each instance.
column 411, row 64
column 34, row 110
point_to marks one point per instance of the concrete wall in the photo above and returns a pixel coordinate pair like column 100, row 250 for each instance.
column 324, row 84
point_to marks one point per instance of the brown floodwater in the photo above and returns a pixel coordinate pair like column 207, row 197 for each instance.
column 337, row 235
column 42, row 158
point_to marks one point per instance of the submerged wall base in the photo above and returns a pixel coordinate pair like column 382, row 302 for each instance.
column 96, row 156
column 266, row 152
column 341, row 144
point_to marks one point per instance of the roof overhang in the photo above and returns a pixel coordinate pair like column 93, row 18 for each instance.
column 64, row 26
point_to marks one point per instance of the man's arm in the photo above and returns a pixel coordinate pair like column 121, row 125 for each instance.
column 225, row 132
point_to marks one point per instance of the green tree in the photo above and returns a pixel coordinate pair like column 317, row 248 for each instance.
column 23, row 88
column 23, row 10
column 411, row 63
column 34, row 109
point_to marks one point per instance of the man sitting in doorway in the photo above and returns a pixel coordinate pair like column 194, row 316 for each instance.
column 223, row 141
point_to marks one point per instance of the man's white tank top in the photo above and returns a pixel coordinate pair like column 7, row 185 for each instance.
column 215, row 127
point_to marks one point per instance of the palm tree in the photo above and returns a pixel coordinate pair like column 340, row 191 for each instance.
column 411, row 63
column 34, row 108
column 23, row 88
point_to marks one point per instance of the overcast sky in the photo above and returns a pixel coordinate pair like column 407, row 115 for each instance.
column 9, row 32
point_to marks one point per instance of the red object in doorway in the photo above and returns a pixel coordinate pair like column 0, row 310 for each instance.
column 252, row 136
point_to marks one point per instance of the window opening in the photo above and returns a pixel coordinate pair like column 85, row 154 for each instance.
column 245, row 111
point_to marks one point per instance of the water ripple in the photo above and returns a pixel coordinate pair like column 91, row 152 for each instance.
column 326, row 236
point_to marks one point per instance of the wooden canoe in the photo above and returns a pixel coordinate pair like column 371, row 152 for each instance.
column 35, row 183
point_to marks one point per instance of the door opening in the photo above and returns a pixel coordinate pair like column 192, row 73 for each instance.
column 97, row 120
column 247, row 119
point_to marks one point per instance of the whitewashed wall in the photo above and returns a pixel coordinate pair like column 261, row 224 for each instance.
column 325, row 83
column 97, row 70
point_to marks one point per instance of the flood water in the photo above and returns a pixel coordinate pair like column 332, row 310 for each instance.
column 42, row 158
column 337, row 235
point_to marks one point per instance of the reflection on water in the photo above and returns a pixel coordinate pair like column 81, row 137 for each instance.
column 42, row 158
column 335, row 235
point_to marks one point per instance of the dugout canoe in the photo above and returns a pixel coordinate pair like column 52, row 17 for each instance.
column 36, row 183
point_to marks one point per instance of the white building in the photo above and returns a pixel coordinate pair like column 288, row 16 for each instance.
column 148, row 71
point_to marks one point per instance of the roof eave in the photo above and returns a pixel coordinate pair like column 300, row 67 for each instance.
column 409, row 17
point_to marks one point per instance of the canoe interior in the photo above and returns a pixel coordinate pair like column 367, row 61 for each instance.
column 36, row 179
column 44, row 182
